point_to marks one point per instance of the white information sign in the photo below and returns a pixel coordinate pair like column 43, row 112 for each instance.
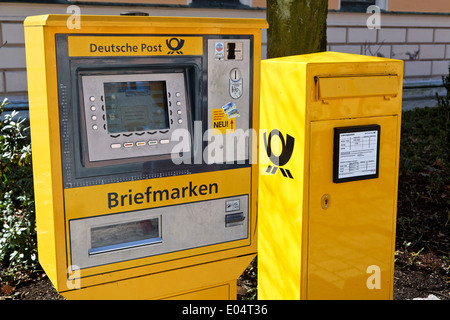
column 356, row 153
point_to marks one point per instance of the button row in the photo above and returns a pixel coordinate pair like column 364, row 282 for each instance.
column 138, row 144
column 92, row 98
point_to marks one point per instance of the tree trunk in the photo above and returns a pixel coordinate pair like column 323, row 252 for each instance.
column 296, row 27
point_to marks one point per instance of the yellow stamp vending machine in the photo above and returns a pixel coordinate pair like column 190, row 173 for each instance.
column 328, row 176
column 143, row 153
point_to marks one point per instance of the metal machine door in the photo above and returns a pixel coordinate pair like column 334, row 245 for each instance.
column 351, row 223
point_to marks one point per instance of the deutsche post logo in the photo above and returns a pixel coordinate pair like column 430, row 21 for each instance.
column 175, row 45
column 287, row 148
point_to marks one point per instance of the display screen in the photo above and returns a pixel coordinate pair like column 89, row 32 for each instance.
column 136, row 106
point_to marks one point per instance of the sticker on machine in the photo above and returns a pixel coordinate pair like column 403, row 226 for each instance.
column 231, row 110
column 356, row 153
column 221, row 123
column 219, row 51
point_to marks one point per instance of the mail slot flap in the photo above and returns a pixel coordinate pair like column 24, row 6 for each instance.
column 347, row 87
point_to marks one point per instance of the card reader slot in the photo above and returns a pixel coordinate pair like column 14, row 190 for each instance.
column 234, row 219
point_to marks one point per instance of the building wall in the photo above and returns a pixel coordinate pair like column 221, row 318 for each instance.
column 421, row 40
column 440, row 6
column 13, row 80
column 13, row 76
column 334, row 4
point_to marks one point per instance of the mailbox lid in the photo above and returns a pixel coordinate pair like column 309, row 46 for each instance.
column 357, row 86
column 338, row 85
column 349, row 86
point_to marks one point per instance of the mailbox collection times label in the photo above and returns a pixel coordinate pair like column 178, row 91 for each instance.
column 356, row 153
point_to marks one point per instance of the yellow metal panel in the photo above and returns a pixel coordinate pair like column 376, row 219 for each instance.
column 125, row 22
column 356, row 230
column 158, row 264
column 43, row 195
column 304, row 251
column 346, row 87
column 223, row 292
column 229, row 183
column 214, row 185
column 46, row 150
column 280, row 199
column 98, row 46
column 356, row 106
column 339, row 59
column 214, row 266
column 166, row 284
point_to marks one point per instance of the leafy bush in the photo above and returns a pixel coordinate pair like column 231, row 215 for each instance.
column 18, row 249
column 445, row 101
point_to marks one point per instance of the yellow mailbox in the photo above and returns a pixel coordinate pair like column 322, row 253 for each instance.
column 328, row 176
column 142, row 153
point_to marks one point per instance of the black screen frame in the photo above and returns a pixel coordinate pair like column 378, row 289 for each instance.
column 164, row 106
column 342, row 130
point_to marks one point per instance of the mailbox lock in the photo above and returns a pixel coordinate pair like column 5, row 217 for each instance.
column 325, row 201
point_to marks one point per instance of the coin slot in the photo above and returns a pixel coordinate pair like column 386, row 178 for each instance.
column 235, row 74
